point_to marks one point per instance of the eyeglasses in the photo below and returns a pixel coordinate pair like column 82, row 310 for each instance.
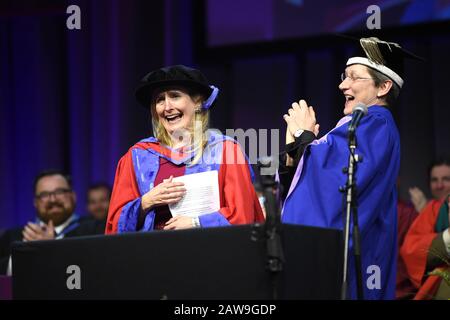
column 353, row 79
column 58, row 193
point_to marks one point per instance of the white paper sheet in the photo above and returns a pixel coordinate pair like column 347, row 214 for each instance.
column 202, row 194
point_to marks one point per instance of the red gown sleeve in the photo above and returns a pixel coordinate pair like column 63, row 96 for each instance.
column 414, row 250
column 125, row 189
column 239, row 203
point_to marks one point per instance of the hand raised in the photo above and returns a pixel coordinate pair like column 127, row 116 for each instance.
column 300, row 116
column 34, row 231
column 418, row 198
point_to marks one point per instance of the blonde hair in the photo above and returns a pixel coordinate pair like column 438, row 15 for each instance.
column 197, row 129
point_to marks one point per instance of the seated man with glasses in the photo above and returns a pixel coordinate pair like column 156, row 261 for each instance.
column 55, row 202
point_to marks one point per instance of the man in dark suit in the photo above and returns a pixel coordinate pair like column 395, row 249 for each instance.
column 55, row 202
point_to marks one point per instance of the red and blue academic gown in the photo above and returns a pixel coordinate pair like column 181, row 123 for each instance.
column 314, row 198
column 138, row 168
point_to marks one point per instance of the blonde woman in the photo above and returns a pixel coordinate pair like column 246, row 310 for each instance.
column 179, row 99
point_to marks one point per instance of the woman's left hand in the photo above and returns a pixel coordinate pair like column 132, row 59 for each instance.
column 179, row 222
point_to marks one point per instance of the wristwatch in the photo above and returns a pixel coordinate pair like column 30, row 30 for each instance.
column 196, row 222
column 298, row 133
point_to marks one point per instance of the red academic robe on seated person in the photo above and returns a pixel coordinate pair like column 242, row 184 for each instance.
column 138, row 168
column 404, row 289
column 415, row 250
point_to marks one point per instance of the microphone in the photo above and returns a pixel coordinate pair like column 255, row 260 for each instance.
column 359, row 111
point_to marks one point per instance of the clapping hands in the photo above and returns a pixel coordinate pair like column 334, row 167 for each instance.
column 300, row 116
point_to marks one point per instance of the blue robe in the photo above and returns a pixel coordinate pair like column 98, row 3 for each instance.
column 314, row 198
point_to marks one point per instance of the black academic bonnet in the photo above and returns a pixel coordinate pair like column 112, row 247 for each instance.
column 178, row 75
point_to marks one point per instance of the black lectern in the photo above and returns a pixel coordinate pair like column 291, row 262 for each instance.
column 215, row 263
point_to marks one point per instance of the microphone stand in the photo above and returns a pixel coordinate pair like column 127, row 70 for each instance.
column 350, row 194
column 274, row 249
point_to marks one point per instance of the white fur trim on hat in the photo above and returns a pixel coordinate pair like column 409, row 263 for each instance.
column 379, row 67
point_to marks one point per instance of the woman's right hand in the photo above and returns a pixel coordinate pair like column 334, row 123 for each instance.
column 164, row 193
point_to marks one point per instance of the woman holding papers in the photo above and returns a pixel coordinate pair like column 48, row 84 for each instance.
column 179, row 99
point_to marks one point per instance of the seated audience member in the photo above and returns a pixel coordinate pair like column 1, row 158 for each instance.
column 55, row 202
column 427, row 249
column 439, row 178
column 98, row 196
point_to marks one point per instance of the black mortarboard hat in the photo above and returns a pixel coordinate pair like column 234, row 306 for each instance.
column 178, row 75
column 385, row 57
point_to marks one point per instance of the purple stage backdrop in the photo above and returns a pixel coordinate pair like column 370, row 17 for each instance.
column 67, row 96
column 269, row 20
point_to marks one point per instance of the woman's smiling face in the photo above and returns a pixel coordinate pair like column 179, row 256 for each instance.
column 175, row 109
column 358, row 87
